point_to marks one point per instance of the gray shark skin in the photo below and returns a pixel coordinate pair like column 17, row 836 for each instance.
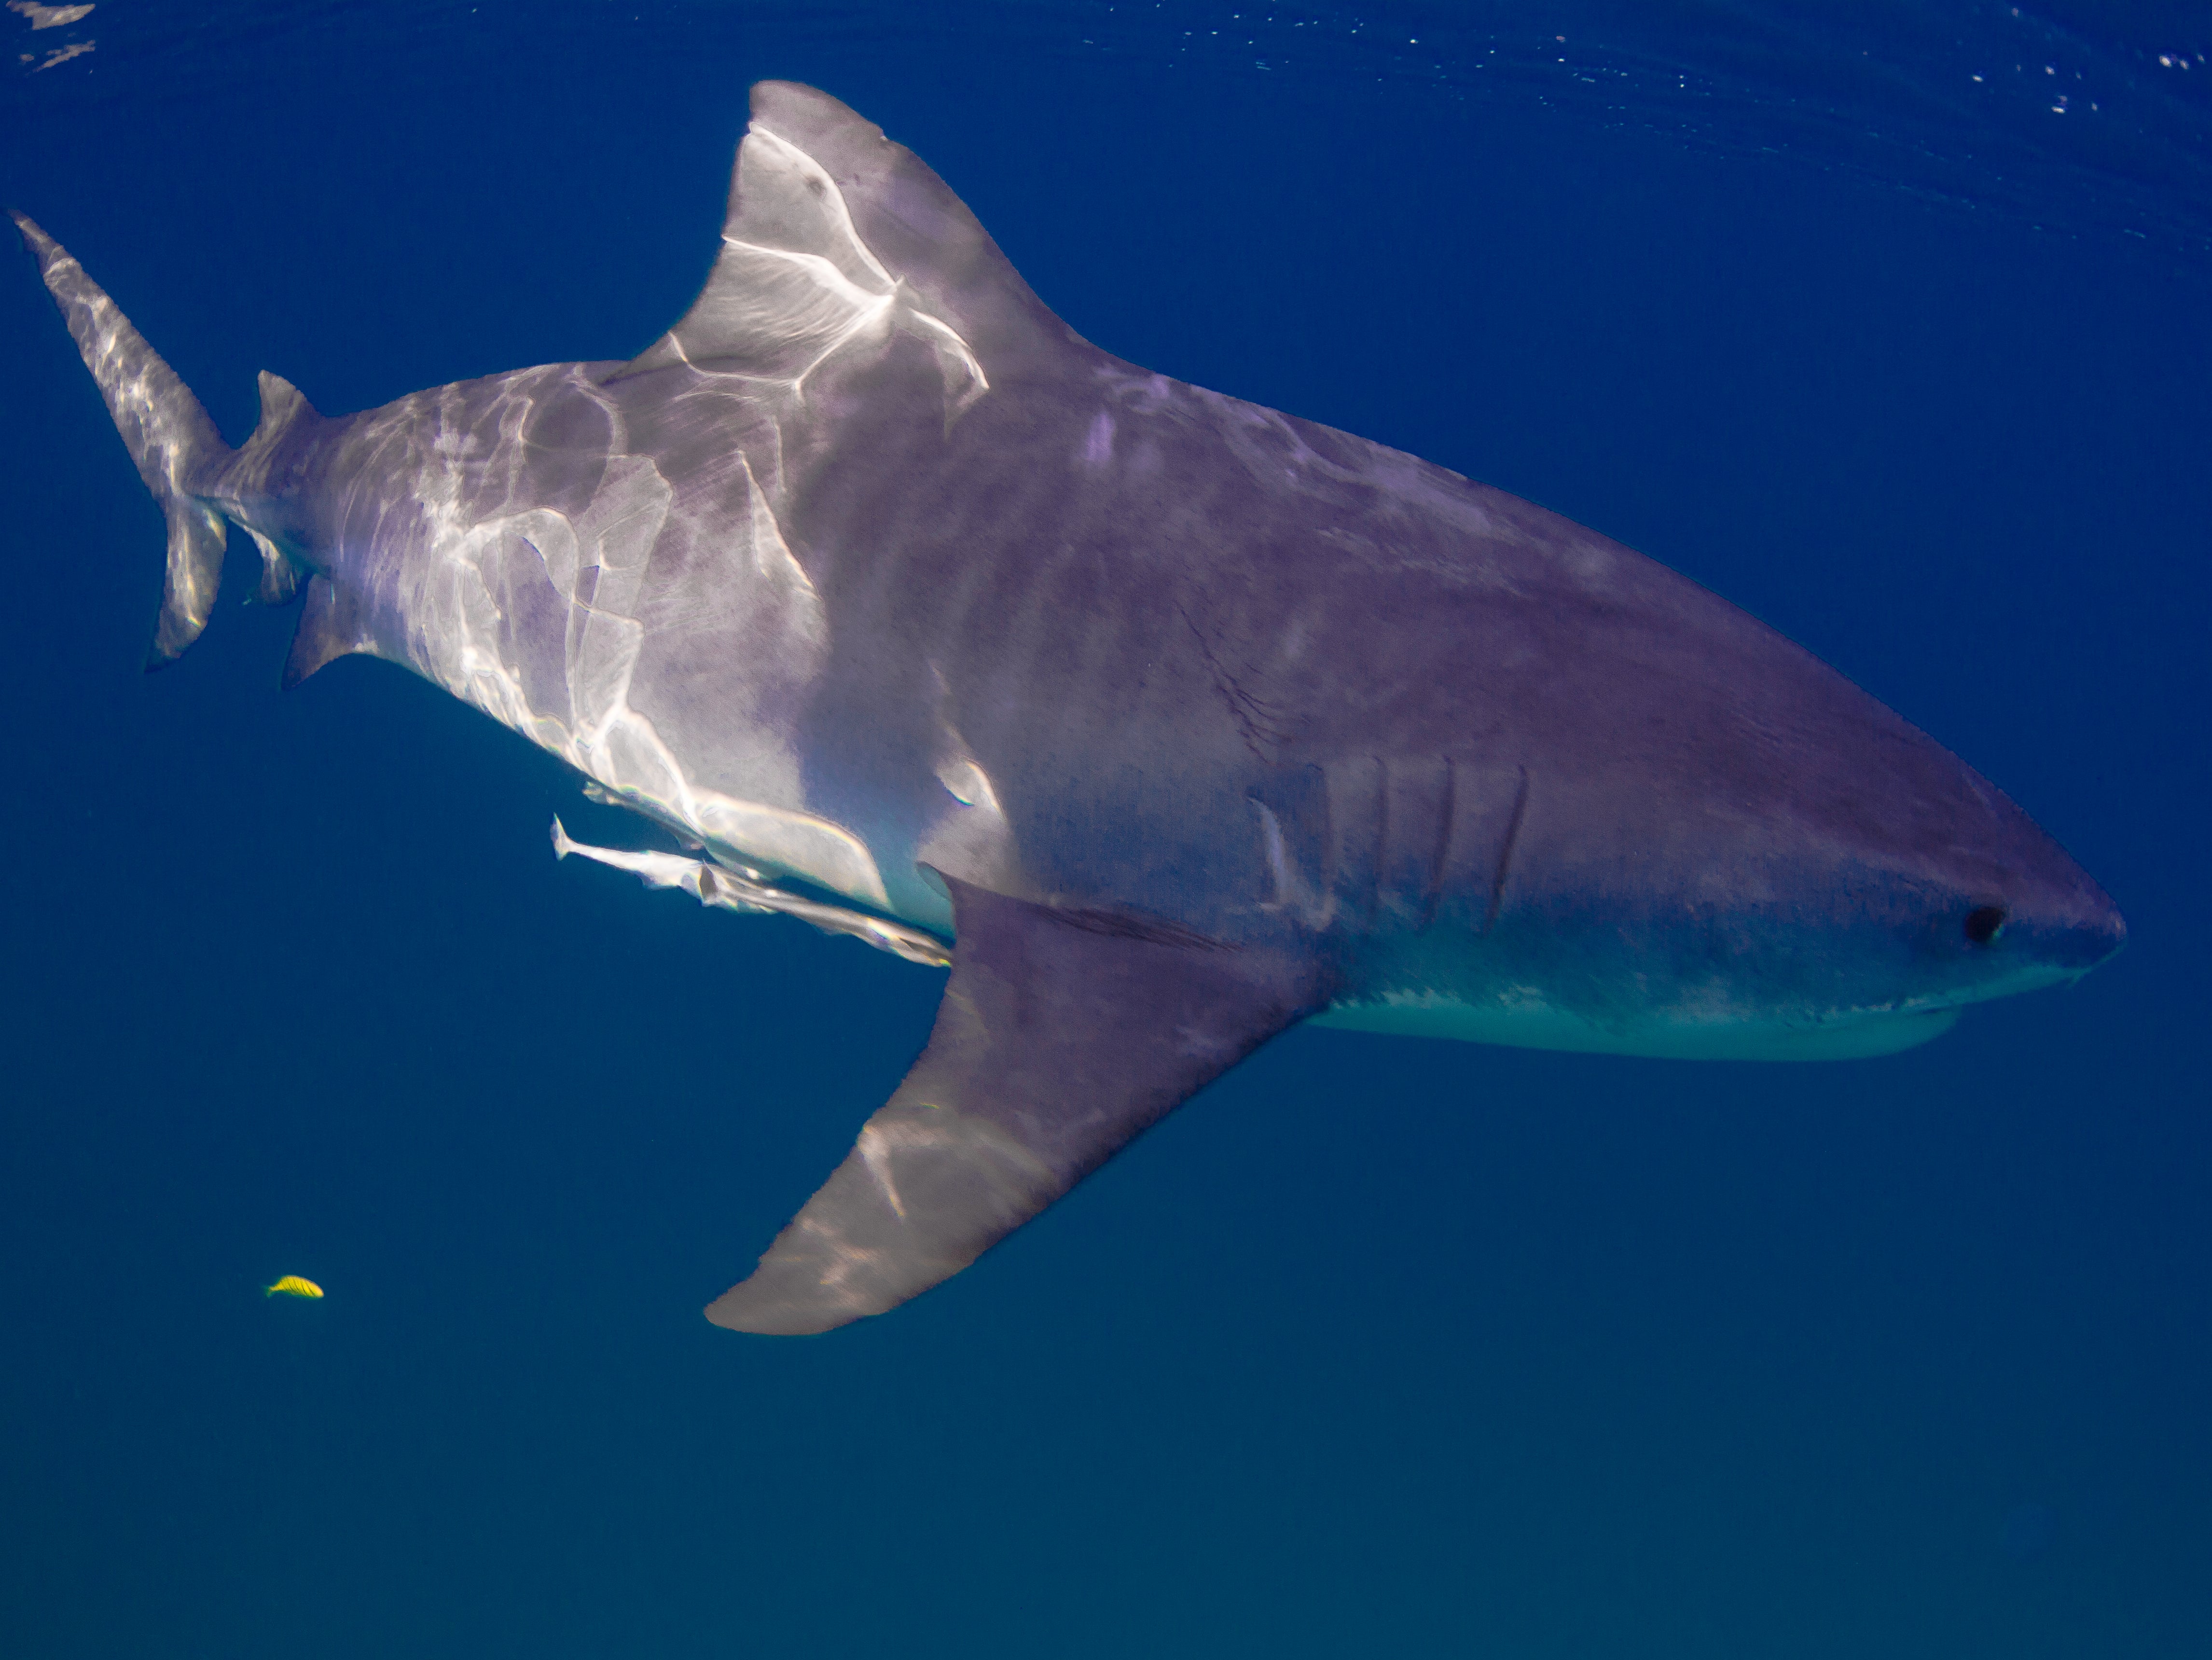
column 1167, row 720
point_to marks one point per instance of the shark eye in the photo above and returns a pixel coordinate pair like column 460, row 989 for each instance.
column 1984, row 924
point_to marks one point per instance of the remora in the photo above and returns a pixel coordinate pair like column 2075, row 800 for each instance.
column 1170, row 721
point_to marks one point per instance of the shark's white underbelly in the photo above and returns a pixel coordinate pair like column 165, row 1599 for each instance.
column 1531, row 1024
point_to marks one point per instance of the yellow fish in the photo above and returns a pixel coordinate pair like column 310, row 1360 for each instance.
column 292, row 1286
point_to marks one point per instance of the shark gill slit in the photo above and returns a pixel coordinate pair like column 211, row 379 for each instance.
column 1432, row 894
column 1379, row 874
column 1505, row 852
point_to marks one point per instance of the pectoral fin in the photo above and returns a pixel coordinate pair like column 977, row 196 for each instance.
column 1062, row 1034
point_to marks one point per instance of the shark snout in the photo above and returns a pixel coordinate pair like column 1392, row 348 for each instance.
column 2070, row 931
column 2045, row 917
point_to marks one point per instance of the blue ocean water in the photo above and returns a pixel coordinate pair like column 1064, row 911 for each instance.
column 1889, row 322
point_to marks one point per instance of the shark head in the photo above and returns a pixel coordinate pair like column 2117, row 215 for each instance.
column 1717, row 847
column 1680, row 834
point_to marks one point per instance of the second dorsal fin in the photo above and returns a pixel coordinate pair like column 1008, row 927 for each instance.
column 255, row 474
column 836, row 234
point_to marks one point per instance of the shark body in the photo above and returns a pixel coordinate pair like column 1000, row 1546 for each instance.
column 1166, row 720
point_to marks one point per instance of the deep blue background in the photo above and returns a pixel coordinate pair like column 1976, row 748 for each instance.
column 1381, row 1347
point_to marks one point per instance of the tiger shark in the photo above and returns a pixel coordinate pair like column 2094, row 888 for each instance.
column 1166, row 721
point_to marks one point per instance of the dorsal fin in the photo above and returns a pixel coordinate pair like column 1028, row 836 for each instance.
column 283, row 405
column 283, row 409
column 834, row 233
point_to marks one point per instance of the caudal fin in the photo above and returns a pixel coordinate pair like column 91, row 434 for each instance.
column 168, row 434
